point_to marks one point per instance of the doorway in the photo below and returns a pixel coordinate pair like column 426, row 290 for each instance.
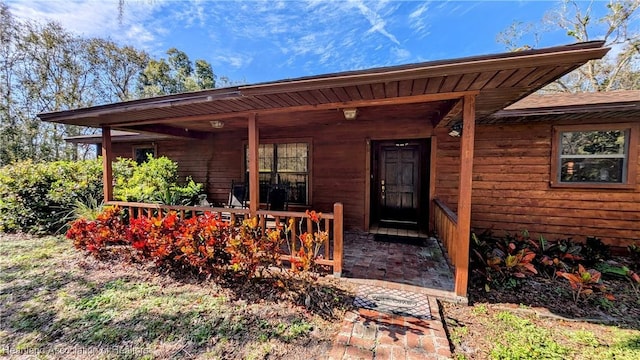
column 399, row 186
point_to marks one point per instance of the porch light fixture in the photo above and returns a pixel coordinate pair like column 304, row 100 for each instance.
column 217, row 124
column 456, row 130
column 350, row 114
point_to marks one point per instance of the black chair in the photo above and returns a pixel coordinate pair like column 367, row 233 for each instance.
column 237, row 200
column 278, row 197
column 237, row 196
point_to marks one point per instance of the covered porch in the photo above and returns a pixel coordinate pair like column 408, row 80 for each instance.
column 349, row 122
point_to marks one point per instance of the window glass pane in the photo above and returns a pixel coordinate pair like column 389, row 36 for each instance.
column 606, row 142
column 291, row 160
column 142, row 154
column 609, row 170
column 265, row 157
column 297, row 184
column 292, row 157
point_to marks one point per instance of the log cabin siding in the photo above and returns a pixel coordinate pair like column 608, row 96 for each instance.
column 214, row 162
column 338, row 172
column 511, row 191
column 337, row 166
column 447, row 168
column 511, row 173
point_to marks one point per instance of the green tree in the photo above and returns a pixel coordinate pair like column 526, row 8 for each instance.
column 44, row 68
column 615, row 22
column 175, row 75
column 116, row 68
column 11, row 138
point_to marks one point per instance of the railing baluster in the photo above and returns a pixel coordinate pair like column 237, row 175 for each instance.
column 337, row 239
column 294, row 239
column 332, row 254
column 326, row 241
column 309, row 226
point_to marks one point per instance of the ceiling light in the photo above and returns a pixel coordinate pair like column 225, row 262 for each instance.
column 456, row 130
column 217, row 124
column 350, row 114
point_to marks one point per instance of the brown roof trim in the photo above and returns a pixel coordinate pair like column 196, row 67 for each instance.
column 432, row 68
column 572, row 103
column 596, row 44
column 502, row 61
column 166, row 101
column 116, row 136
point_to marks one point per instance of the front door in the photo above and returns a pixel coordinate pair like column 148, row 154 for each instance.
column 398, row 175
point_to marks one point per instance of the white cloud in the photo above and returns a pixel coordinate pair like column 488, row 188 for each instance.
column 235, row 60
column 377, row 22
column 417, row 20
column 192, row 13
column 97, row 18
column 400, row 55
column 310, row 36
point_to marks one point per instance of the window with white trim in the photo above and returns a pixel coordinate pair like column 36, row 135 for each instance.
column 598, row 156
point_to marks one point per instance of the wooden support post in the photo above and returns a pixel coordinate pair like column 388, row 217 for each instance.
column 337, row 239
column 433, row 152
column 294, row 240
column 107, row 157
column 254, row 175
column 464, row 195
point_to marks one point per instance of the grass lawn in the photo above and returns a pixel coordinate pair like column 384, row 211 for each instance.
column 505, row 331
column 55, row 302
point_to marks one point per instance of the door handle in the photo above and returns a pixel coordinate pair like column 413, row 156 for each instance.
column 382, row 188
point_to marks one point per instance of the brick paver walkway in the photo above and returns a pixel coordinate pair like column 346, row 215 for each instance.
column 368, row 334
column 382, row 262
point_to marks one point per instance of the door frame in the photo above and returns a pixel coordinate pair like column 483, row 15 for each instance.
column 427, row 178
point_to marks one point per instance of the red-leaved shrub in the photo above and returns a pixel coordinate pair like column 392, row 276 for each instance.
column 94, row 235
column 204, row 243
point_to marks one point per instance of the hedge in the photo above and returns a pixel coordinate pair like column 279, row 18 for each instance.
column 40, row 198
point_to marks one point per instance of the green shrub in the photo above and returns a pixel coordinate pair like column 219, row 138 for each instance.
column 153, row 181
column 40, row 198
column 37, row 197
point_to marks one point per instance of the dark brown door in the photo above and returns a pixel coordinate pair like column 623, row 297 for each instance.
column 398, row 183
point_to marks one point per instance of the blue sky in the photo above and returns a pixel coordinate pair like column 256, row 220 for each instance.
column 256, row 41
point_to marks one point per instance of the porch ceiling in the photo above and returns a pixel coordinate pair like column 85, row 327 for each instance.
column 422, row 91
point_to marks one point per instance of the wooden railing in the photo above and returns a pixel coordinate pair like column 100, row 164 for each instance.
column 457, row 244
column 446, row 226
column 331, row 250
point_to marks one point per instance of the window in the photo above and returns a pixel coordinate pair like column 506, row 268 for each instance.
column 141, row 153
column 283, row 164
column 594, row 156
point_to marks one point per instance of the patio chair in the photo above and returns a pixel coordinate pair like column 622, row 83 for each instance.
column 277, row 198
column 237, row 200
column 237, row 196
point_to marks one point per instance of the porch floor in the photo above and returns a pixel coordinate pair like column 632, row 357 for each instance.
column 419, row 268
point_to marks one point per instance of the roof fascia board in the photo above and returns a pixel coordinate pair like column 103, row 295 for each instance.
column 542, row 59
column 572, row 109
column 329, row 106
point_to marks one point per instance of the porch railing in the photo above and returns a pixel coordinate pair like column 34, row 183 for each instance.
column 446, row 225
column 331, row 250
